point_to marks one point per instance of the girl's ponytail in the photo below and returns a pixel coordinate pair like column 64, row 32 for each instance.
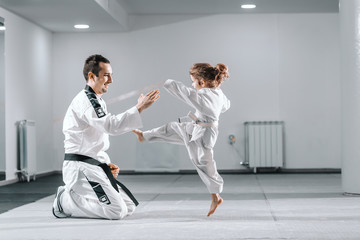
column 221, row 73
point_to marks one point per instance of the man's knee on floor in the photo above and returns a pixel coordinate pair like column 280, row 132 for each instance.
column 117, row 213
column 121, row 212
column 131, row 209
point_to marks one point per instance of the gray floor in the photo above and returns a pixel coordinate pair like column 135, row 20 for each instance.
column 263, row 206
column 21, row 193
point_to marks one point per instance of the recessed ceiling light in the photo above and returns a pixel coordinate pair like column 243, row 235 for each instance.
column 2, row 28
column 248, row 6
column 81, row 26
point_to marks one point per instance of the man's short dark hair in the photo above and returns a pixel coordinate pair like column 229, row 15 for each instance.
column 92, row 65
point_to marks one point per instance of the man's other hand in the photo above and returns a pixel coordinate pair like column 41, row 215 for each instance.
column 114, row 169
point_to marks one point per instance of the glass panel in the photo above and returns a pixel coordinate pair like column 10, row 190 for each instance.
column 2, row 99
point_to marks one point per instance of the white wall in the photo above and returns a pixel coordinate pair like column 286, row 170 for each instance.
column 283, row 67
column 310, row 91
column 28, row 91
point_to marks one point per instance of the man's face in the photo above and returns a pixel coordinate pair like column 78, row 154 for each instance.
column 100, row 84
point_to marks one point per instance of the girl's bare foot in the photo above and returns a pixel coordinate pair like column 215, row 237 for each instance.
column 139, row 135
column 215, row 202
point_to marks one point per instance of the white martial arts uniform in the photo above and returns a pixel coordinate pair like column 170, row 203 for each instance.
column 87, row 126
column 198, row 133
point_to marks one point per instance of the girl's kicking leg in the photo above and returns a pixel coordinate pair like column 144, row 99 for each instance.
column 201, row 157
column 172, row 132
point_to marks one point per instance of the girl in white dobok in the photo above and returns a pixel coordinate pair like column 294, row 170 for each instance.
column 199, row 130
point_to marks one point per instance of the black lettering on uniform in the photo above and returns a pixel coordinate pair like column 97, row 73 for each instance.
column 94, row 102
column 100, row 193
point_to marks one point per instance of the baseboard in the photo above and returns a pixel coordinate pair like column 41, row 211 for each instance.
column 221, row 171
column 38, row 175
column 240, row 171
column 49, row 173
column 7, row 182
column 310, row 170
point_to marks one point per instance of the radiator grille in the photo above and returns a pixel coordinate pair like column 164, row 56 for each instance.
column 27, row 150
column 264, row 144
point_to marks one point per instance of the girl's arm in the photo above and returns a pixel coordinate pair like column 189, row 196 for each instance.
column 185, row 94
column 226, row 105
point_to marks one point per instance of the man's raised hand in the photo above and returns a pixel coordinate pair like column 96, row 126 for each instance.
column 146, row 101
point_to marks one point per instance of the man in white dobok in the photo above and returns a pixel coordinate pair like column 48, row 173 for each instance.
column 91, row 189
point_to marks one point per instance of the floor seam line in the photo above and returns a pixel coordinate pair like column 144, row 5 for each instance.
column 266, row 199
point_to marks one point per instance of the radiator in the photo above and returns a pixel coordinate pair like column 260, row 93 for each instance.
column 27, row 150
column 264, row 144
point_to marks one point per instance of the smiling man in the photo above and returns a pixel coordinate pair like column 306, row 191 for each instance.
column 91, row 189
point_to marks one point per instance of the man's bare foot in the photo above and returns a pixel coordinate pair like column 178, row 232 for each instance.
column 139, row 135
column 215, row 202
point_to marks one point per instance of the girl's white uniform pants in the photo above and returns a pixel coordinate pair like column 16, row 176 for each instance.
column 200, row 156
column 89, row 193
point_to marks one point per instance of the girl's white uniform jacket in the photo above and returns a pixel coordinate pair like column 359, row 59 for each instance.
column 208, row 103
column 198, row 136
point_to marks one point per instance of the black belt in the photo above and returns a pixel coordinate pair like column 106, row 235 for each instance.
column 107, row 170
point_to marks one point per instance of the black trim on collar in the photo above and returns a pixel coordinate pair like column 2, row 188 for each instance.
column 88, row 88
column 90, row 93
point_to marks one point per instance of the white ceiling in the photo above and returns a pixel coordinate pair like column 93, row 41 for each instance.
column 112, row 15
